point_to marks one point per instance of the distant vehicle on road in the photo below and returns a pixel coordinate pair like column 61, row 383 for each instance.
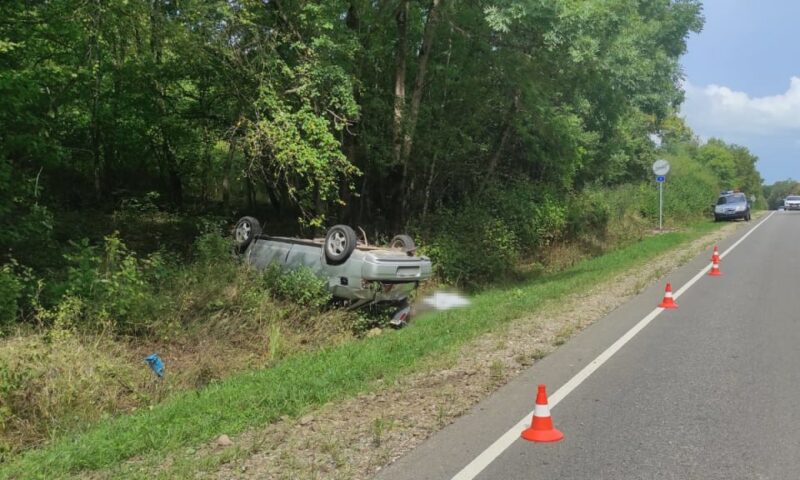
column 792, row 202
column 355, row 272
column 732, row 206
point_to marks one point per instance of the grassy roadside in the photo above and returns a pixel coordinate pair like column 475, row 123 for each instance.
column 308, row 380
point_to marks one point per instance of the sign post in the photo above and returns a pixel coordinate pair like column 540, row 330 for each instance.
column 661, row 168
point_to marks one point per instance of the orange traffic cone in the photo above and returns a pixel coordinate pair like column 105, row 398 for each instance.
column 668, row 302
column 715, row 255
column 541, row 429
column 715, row 268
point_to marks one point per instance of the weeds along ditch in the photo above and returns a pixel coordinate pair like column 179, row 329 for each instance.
column 74, row 355
column 302, row 381
column 77, row 333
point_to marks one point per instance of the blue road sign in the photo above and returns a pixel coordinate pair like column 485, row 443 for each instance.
column 660, row 178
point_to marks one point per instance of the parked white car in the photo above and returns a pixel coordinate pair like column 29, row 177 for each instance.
column 792, row 202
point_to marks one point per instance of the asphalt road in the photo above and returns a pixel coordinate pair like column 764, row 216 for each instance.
column 708, row 391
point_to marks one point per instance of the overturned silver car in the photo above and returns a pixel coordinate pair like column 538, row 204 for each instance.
column 356, row 272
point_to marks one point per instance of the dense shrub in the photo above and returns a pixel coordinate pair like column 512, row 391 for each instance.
column 487, row 237
column 471, row 245
column 536, row 216
column 119, row 289
column 211, row 247
column 588, row 214
column 688, row 192
column 301, row 286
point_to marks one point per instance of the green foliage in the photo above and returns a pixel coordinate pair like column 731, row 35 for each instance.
column 689, row 191
column 25, row 225
column 471, row 246
column 118, row 289
column 213, row 248
column 733, row 166
column 778, row 191
column 301, row 286
column 485, row 239
column 532, row 213
column 244, row 100
column 139, row 205
column 588, row 213
column 298, row 103
column 364, row 321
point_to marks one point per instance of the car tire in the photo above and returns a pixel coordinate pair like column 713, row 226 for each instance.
column 246, row 229
column 403, row 242
column 340, row 241
column 747, row 217
column 716, row 218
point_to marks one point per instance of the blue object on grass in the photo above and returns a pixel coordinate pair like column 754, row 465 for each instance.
column 155, row 364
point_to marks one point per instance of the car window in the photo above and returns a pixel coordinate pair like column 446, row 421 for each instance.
column 738, row 198
column 792, row 198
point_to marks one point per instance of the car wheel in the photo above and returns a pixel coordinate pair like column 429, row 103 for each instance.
column 340, row 242
column 404, row 243
column 246, row 229
column 716, row 218
column 747, row 217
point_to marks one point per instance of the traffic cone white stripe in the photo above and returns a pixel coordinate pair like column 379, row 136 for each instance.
column 541, row 411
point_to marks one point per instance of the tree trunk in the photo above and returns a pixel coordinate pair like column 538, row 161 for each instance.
column 111, row 141
column 501, row 144
column 419, row 81
column 363, row 197
column 97, row 159
column 401, row 47
column 428, row 188
column 175, row 181
column 251, row 194
column 226, row 174
column 416, row 99
column 273, row 199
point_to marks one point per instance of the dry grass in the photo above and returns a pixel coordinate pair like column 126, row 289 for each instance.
column 61, row 380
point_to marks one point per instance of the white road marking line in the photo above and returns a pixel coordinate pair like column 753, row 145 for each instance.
column 745, row 236
column 479, row 463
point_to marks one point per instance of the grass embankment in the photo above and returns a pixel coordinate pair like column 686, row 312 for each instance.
column 302, row 382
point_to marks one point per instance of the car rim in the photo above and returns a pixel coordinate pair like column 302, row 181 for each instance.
column 243, row 232
column 336, row 243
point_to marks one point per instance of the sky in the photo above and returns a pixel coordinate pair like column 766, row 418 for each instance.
column 742, row 81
